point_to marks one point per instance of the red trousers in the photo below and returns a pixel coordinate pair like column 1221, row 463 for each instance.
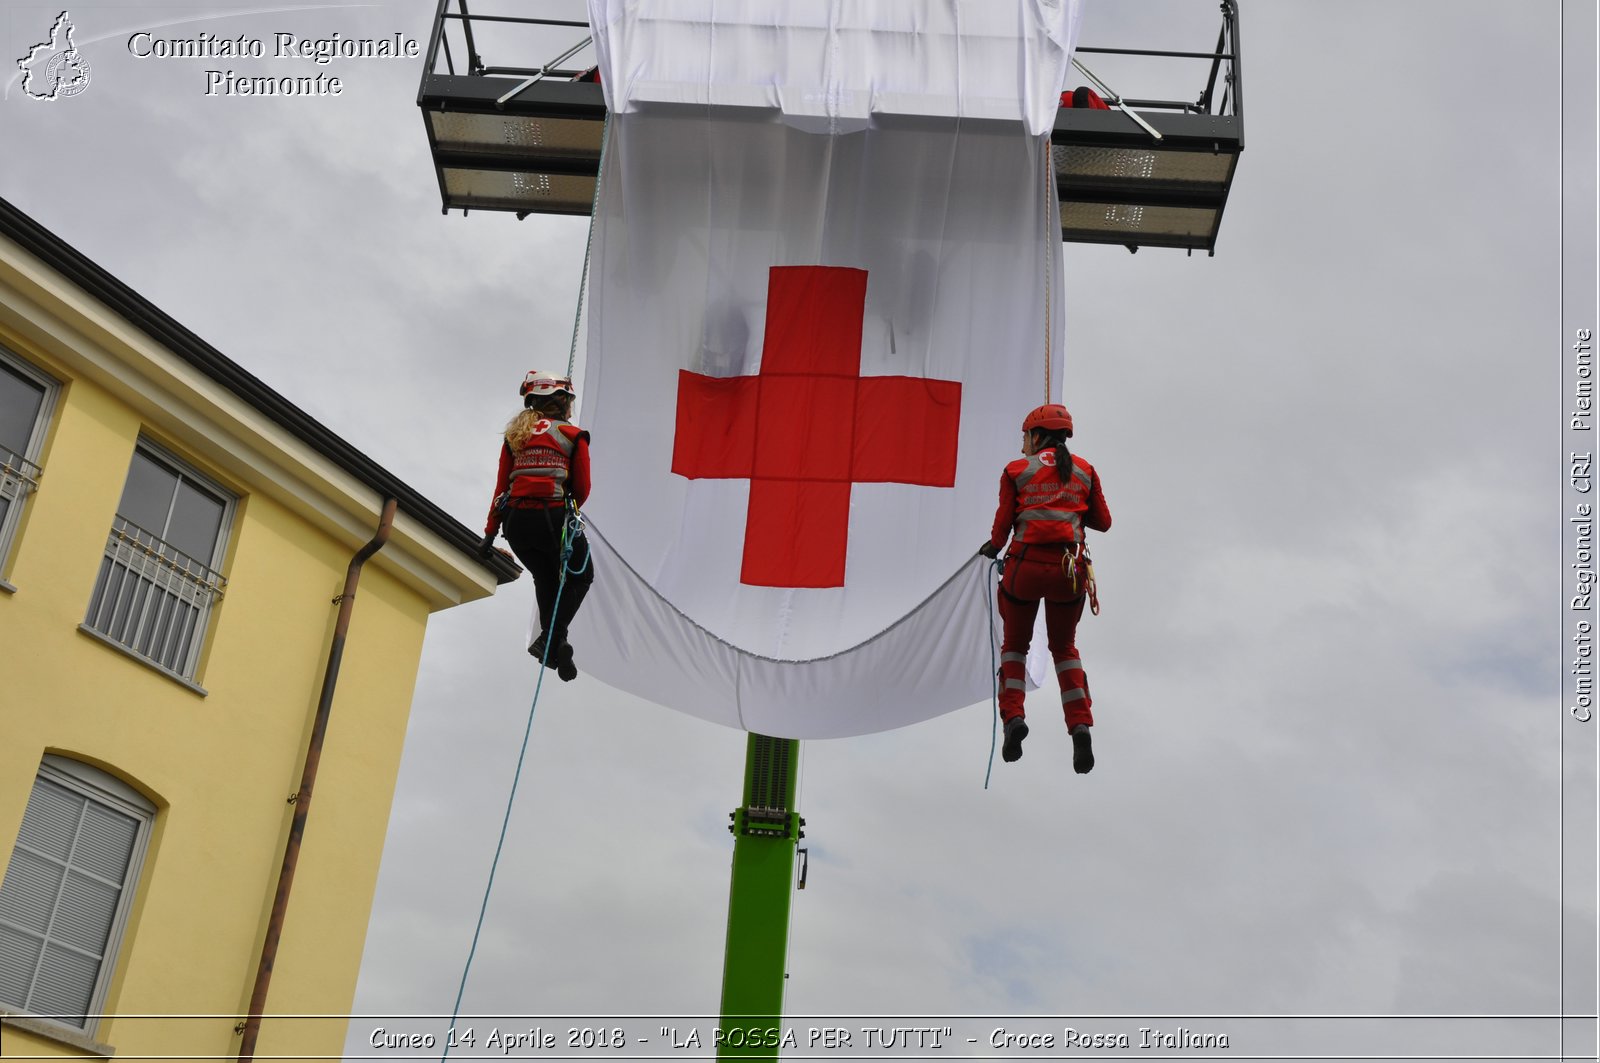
column 1041, row 573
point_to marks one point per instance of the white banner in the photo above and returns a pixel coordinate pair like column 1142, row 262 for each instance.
column 830, row 65
column 808, row 361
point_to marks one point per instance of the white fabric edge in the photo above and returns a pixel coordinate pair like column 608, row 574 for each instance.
column 936, row 659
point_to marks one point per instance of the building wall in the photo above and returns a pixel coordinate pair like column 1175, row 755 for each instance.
column 220, row 764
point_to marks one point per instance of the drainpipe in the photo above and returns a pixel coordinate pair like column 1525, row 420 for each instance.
column 251, row 1029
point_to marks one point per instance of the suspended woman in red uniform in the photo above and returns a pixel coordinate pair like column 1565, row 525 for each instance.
column 544, row 463
column 1047, row 499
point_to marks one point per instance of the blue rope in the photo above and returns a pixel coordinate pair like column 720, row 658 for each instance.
column 994, row 670
column 574, row 524
column 477, row 931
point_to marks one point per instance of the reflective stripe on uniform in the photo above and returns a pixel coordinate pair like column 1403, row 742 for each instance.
column 558, row 473
column 1016, row 684
column 1062, row 666
column 1019, row 658
column 559, row 438
column 1028, row 473
column 1073, row 695
column 1071, row 517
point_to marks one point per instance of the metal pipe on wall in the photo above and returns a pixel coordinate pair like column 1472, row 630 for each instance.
column 308, row 777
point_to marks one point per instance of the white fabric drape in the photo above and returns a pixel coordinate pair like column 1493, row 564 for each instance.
column 837, row 63
column 954, row 222
column 934, row 659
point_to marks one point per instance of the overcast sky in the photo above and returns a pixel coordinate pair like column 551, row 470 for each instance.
column 1328, row 670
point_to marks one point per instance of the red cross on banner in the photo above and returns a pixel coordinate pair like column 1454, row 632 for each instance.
column 809, row 425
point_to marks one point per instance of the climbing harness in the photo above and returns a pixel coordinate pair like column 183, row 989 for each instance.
column 571, row 531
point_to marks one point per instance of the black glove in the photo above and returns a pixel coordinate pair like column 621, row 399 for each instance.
column 486, row 546
column 989, row 550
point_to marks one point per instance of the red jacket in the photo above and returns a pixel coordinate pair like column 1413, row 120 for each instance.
column 1042, row 508
column 552, row 466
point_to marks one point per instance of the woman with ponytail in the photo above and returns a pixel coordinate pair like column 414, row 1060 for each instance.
column 1047, row 499
column 544, row 466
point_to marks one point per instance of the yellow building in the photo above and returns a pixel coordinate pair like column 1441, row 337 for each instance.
column 172, row 536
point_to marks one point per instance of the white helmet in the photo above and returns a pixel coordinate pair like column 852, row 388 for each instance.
column 540, row 382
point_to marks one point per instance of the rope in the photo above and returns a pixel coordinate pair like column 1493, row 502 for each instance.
column 571, row 532
column 516, row 777
column 1049, row 259
column 588, row 246
column 994, row 670
column 1048, row 262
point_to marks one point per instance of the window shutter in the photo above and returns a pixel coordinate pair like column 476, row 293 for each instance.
column 60, row 898
column 63, row 986
column 19, row 956
column 51, row 819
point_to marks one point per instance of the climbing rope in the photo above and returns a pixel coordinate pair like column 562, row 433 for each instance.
column 571, row 532
column 1049, row 259
column 588, row 246
column 571, row 529
column 573, row 524
column 994, row 670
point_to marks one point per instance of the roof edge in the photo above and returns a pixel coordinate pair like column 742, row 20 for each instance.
column 165, row 330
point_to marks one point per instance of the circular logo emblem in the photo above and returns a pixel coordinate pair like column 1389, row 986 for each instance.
column 66, row 74
column 541, row 426
column 1048, row 457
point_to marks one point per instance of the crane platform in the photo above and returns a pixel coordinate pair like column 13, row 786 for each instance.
column 1146, row 172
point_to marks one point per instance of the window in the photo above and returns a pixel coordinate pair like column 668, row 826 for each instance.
column 158, row 581
column 65, row 896
column 26, row 399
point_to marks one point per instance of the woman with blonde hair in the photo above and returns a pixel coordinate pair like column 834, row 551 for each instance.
column 544, row 470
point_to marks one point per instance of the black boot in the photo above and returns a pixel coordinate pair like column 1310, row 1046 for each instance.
column 563, row 662
column 1016, row 730
column 560, row 658
column 1082, row 750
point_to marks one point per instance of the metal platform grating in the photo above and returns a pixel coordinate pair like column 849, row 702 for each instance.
column 527, row 139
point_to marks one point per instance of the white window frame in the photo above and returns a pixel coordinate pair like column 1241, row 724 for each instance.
column 20, row 473
column 138, row 553
column 102, row 789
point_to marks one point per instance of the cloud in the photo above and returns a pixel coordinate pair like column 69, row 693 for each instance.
column 1329, row 771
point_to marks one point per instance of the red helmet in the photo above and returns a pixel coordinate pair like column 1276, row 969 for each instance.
column 541, row 382
column 1053, row 416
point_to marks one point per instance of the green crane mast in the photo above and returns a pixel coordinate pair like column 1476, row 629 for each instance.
column 766, row 834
